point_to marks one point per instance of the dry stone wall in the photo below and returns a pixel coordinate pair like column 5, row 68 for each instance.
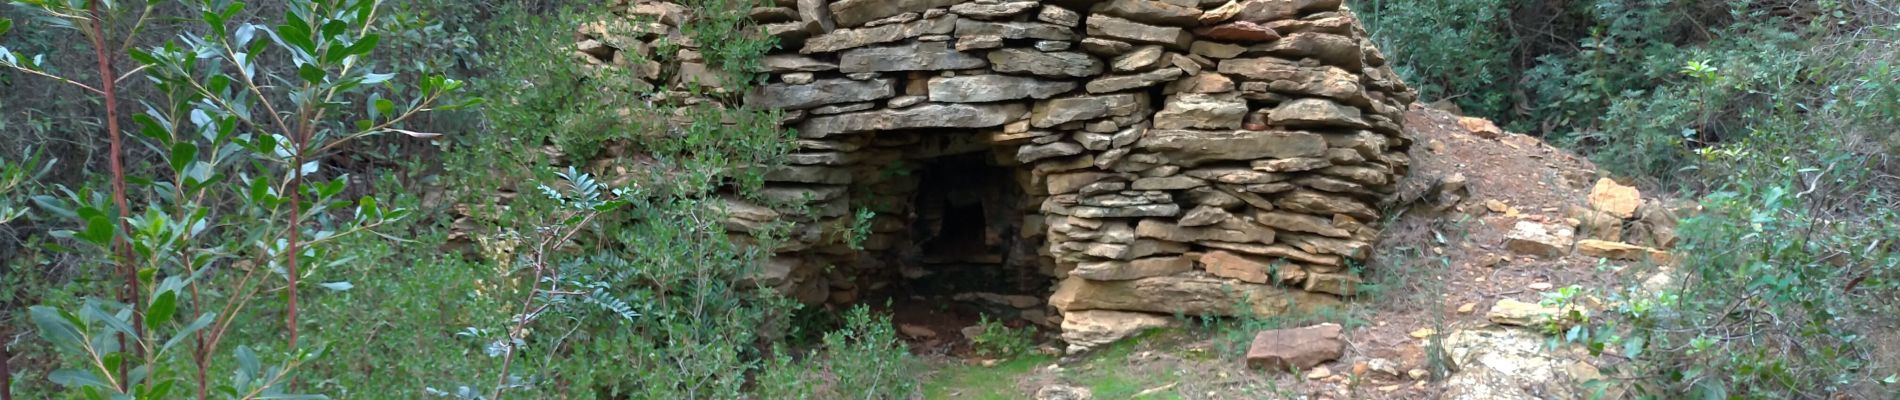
column 1207, row 157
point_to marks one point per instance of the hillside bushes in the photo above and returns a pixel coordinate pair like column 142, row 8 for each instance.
column 1777, row 115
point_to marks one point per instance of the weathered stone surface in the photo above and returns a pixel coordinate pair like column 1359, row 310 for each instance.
column 993, row 10
column 781, row 63
column 1232, row 231
column 1072, row 182
column 1251, row 268
column 1136, row 269
column 1274, row 10
column 1136, row 211
column 817, row 12
column 1176, row 182
column 820, row 93
column 1311, row 202
column 1014, row 30
column 852, row 13
column 1509, row 364
column 1191, row 148
column 1300, row 223
column 1057, row 64
column 1288, row 76
column 1129, row 82
column 1204, row 216
column 1316, row 113
column 1141, row 59
column 809, row 174
column 1105, row 26
column 1593, row 224
column 1215, row 50
column 1060, row 111
column 1335, row 50
column 969, row 43
column 993, row 88
column 1035, row 153
column 801, row 194
column 1343, row 247
column 1223, row 13
column 1615, row 198
column 1293, row 164
column 1060, row 16
column 1339, row 283
column 1296, row 348
column 1201, row 111
column 1185, row 293
column 844, row 39
column 922, row 116
column 1150, row 12
column 1205, row 82
column 774, row 14
column 1370, row 174
column 1239, row 31
column 918, row 56
column 1535, row 239
column 1105, row 47
column 1620, row 251
column 1236, row 176
column 1518, row 313
column 1087, row 329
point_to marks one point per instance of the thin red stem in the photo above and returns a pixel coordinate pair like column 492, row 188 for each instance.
column 108, row 86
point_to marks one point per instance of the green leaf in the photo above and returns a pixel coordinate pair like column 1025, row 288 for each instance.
column 310, row 73
column 247, row 361
column 160, row 390
column 74, row 378
column 386, row 107
column 203, row 320
column 98, row 231
column 182, row 154
column 57, row 329
column 119, row 325
column 161, row 310
column 363, row 46
column 5, row 25
column 54, row 205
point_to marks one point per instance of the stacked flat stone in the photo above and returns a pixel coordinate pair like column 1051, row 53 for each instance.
column 1200, row 157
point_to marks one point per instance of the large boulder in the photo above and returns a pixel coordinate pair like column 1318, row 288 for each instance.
column 1088, row 329
column 1297, row 348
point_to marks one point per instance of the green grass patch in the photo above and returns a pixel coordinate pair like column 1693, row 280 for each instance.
column 980, row 382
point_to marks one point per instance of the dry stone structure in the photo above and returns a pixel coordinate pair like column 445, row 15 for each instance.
column 1202, row 157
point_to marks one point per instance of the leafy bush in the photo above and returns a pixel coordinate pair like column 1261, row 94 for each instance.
column 862, row 360
column 1000, row 341
column 240, row 196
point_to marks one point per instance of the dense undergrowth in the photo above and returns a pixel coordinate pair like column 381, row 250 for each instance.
column 489, row 257
column 1778, row 116
column 486, row 266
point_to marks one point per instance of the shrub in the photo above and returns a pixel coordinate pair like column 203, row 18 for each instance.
column 239, row 196
column 862, row 360
column 1000, row 341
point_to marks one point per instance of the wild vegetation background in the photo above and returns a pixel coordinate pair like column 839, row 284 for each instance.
column 1778, row 114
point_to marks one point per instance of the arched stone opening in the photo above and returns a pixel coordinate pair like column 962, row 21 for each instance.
column 1199, row 157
